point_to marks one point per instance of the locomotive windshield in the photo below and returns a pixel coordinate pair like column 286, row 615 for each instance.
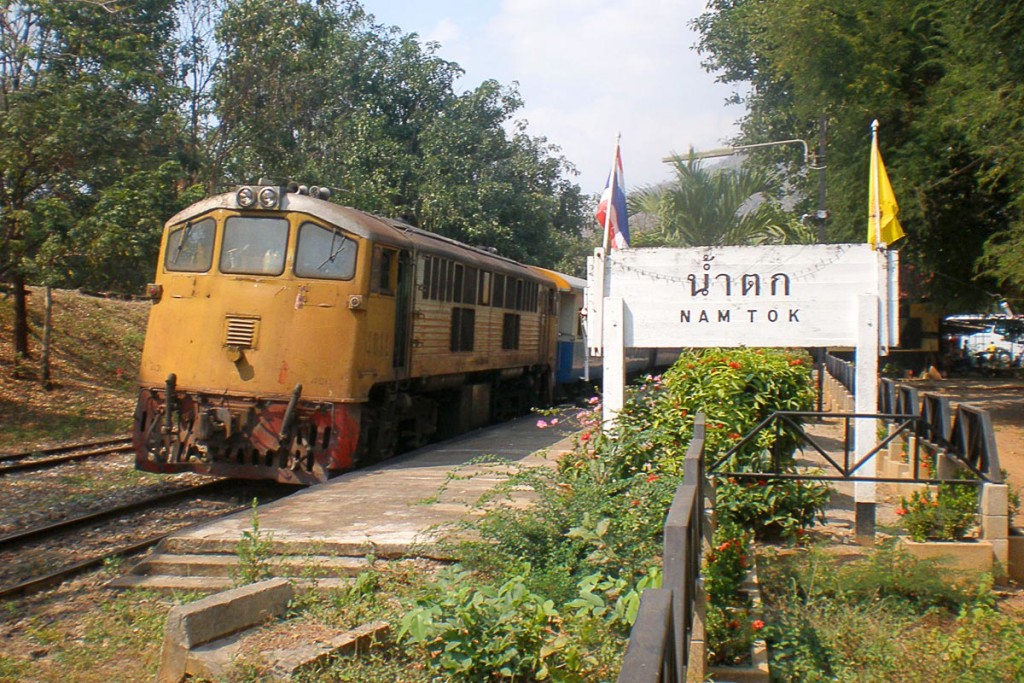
column 190, row 247
column 254, row 245
column 324, row 253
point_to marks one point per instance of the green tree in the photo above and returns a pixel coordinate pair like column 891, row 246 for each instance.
column 715, row 207
column 83, row 106
column 917, row 68
column 322, row 94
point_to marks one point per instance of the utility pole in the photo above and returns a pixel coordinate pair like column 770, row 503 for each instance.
column 822, row 216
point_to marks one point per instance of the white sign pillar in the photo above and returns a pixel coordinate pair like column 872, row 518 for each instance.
column 866, row 402
column 614, row 361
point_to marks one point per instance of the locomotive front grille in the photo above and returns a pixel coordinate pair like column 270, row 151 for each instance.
column 240, row 332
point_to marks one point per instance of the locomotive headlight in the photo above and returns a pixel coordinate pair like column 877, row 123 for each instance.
column 268, row 197
column 246, row 197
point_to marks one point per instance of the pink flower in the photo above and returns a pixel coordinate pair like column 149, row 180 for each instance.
column 554, row 421
column 592, row 400
column 541, row 424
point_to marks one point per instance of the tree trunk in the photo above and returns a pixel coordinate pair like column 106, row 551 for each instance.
column 20, row 316
column 45, row 362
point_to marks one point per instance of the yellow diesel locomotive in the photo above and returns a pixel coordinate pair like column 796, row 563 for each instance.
column 291, row 338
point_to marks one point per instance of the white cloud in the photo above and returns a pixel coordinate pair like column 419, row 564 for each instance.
column 587, row 70
column 445, row 32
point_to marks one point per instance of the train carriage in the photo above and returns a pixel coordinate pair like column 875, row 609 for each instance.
column 291, row 338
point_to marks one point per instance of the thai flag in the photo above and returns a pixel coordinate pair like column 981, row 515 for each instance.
column 611, row 210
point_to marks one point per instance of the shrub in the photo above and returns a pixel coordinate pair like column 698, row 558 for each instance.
column 729, row 626
column 946, row 516
column 736, row 390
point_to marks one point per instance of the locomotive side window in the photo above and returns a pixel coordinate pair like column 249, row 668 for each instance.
column 254, row 245
column 324, row 253
column 383, row 260
column 498, row 298
column 510, row 331
column 511, row 287
column 435, row 279
column 190, row 247
column 485, row 288
column 463, row 328
column 469, row 290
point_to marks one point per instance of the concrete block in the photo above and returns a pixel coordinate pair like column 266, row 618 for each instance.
column 995, row 527
column 1000, row 558
column 946, row 467
column 995, row 499
column 218, row 660
column 969, row 557
column 1015, row 556
column 217, row 616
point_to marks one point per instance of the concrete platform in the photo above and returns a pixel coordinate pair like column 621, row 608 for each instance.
column 395, row 509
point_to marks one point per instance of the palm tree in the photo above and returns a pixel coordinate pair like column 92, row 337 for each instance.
column 716, row 207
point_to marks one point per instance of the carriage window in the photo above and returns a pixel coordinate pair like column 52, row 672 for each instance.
column 324, row 253
column 498, row 297
column 190, row 247
column 463, row 327
column 254, row 245
column 469, row 291
column 510, row 331
column 485, row 288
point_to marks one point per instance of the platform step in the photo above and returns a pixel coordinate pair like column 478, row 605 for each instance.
column 167, row 583
column 203, row 565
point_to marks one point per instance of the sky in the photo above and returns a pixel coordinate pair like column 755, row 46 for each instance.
column 588, row 70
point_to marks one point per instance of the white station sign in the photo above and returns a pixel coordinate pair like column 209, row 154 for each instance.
column 789, row 295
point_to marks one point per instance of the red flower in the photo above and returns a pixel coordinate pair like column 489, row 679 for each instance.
column 585, row 436
column 734, row 436
column 757, row 625
column 796, row 361
column 734, row 365
column 733, row 624
column 651, row 478
column 636, row 503
column 901, row 511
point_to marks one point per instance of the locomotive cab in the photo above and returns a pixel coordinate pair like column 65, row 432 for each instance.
column 260, row 339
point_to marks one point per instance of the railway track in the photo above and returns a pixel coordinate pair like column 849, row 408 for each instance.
column 13, row 545
column 59, row 455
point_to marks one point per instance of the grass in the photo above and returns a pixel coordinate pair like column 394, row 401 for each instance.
column 95, row 351
column 115, row 638
column 885, row 617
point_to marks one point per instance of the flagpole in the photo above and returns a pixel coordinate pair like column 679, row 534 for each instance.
column 611, row 184
column 876, row 176
column 885, row 331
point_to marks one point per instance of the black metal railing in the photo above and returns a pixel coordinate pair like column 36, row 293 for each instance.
column 966, row 434
column 843, row 370
column 970, row 443
column 659, row 643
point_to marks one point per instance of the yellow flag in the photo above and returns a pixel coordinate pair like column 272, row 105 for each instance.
column 883, row 228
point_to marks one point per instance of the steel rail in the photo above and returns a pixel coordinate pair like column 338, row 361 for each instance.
column 56, row 577
column 29, row 463
column 57, row 450
column 21, row 537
